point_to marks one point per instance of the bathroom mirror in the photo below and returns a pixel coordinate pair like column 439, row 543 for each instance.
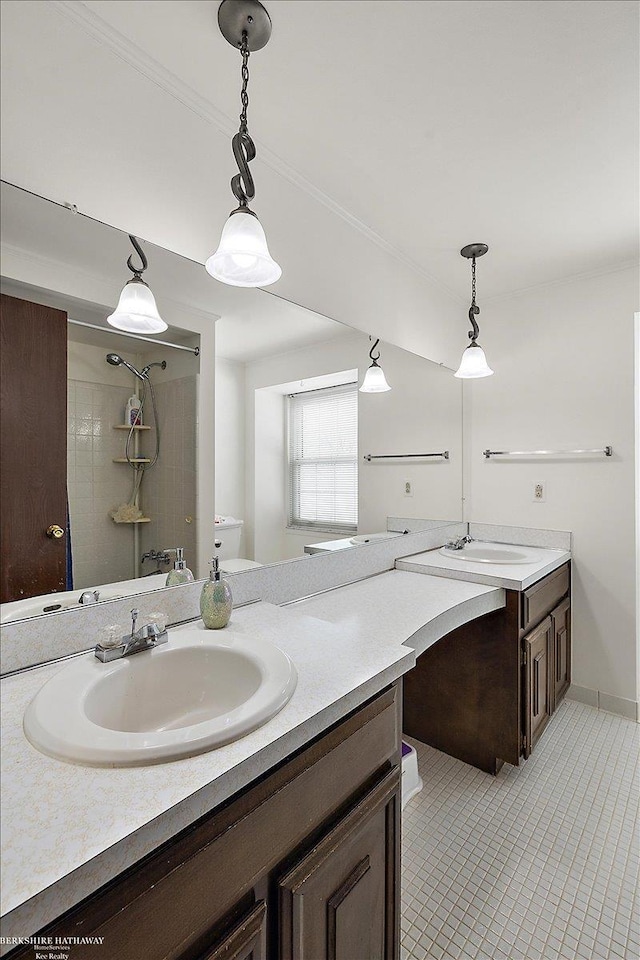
column 284, row 488
column 241, row 353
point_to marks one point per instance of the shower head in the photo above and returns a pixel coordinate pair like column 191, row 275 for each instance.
column 116, row 360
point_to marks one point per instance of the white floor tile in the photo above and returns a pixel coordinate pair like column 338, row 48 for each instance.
column 541, row 862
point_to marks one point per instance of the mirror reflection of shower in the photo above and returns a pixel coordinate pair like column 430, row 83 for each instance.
column 131, row 511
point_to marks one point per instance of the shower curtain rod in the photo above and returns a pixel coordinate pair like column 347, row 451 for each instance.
column 135, row 336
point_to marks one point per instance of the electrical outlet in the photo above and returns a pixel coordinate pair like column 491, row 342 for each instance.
column 408, row 488
column 539, row 492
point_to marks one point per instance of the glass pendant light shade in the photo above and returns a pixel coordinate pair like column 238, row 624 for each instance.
column 374, row 380
column 137, row 311
column 242, row 258
column 473, row 364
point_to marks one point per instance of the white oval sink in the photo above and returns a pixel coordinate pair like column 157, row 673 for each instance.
column 489, row 553
column 195, row 693
column 372, row 537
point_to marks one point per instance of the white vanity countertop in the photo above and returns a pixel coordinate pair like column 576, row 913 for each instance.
column 326, row 546
column 68, row 829
column 511, row 576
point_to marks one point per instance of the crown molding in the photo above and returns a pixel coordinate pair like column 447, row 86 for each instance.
column 150, row 68
column 561, row 281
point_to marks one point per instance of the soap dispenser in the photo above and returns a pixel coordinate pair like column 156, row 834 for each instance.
column 216, row 602
column 180, row 572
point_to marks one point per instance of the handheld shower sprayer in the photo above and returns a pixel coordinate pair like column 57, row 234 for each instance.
column 116, row 360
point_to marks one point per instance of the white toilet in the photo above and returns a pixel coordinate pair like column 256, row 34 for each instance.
column 229, row 530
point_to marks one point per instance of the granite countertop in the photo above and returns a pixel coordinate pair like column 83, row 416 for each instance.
column 511, row 576
column 68, row 829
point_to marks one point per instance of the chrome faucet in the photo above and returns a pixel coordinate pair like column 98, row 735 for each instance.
column 158, row 556
column 145, row 638
column 459, row 544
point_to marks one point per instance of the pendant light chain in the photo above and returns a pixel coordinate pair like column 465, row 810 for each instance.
column 244, row 149
column 473, row 282
column 244, row 96
column 473, row 310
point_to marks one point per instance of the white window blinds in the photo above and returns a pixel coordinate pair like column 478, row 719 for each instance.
column 323, row 459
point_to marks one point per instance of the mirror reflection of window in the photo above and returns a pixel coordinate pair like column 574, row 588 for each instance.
column 323, row 459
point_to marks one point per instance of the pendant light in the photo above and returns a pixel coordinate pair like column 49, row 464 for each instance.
column 474, row 363
column 242, row 258
column 374, row 379
column 137, row 311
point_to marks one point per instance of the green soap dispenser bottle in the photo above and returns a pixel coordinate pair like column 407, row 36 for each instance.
column 216, row 602
column 180, row 572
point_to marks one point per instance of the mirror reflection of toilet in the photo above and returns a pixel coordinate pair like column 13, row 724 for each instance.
column 229, row 531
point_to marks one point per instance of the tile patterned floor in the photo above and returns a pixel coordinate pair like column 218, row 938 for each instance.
column 538, row 863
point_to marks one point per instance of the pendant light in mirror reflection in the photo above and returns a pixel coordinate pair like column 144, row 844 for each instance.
column 474, row 363
column 374, row 379
column 137, row 311
column 242, row 258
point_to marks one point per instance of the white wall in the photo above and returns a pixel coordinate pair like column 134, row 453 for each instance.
column 564, row 378
column 230, row 446
column 422, row 413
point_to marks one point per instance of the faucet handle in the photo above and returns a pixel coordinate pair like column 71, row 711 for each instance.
column 134, row 618
column 89, row 596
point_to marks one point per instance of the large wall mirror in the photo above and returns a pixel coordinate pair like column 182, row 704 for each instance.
column 253, row 431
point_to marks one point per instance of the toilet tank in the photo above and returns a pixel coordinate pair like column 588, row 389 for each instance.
column 229, row 530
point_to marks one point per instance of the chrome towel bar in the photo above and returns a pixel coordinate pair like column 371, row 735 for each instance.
column 607, row 451
column 405, row 456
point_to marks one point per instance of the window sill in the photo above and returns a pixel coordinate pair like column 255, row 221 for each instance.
column 344, row 534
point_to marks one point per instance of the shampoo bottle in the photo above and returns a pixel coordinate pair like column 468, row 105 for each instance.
column 180, row 572
column 216, row 602
column 132, row 412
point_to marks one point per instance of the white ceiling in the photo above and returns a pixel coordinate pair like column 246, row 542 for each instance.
column 427, row 123
column 439, row 122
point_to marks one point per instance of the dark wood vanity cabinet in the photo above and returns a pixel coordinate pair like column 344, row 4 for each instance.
column 303, row 865
column 486, row 691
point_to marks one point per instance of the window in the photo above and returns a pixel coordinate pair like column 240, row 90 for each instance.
column 323, row 459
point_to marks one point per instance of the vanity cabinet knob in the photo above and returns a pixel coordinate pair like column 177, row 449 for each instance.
column 55, row 532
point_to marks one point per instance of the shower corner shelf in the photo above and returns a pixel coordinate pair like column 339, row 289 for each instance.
column 125, row 426
column 139, row 520
column 134, row 460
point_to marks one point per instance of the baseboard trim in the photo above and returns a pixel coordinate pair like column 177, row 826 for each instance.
column 630, row 709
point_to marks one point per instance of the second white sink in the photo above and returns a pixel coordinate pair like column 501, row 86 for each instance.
column 198, row 692
column 489, row 553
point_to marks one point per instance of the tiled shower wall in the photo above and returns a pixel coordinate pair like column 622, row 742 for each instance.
column 102, row 550
column 169, row 488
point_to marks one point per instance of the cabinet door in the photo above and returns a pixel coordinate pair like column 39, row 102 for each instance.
column 339, row 902
column 537, row 648
column 244, row 940
column 561, row 664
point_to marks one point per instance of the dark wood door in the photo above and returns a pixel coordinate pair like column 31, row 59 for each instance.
column 33, row 448
column 339, row 901
column 537, row 647
column 561, row 664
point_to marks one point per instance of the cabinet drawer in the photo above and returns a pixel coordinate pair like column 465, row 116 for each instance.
column 541, row 598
